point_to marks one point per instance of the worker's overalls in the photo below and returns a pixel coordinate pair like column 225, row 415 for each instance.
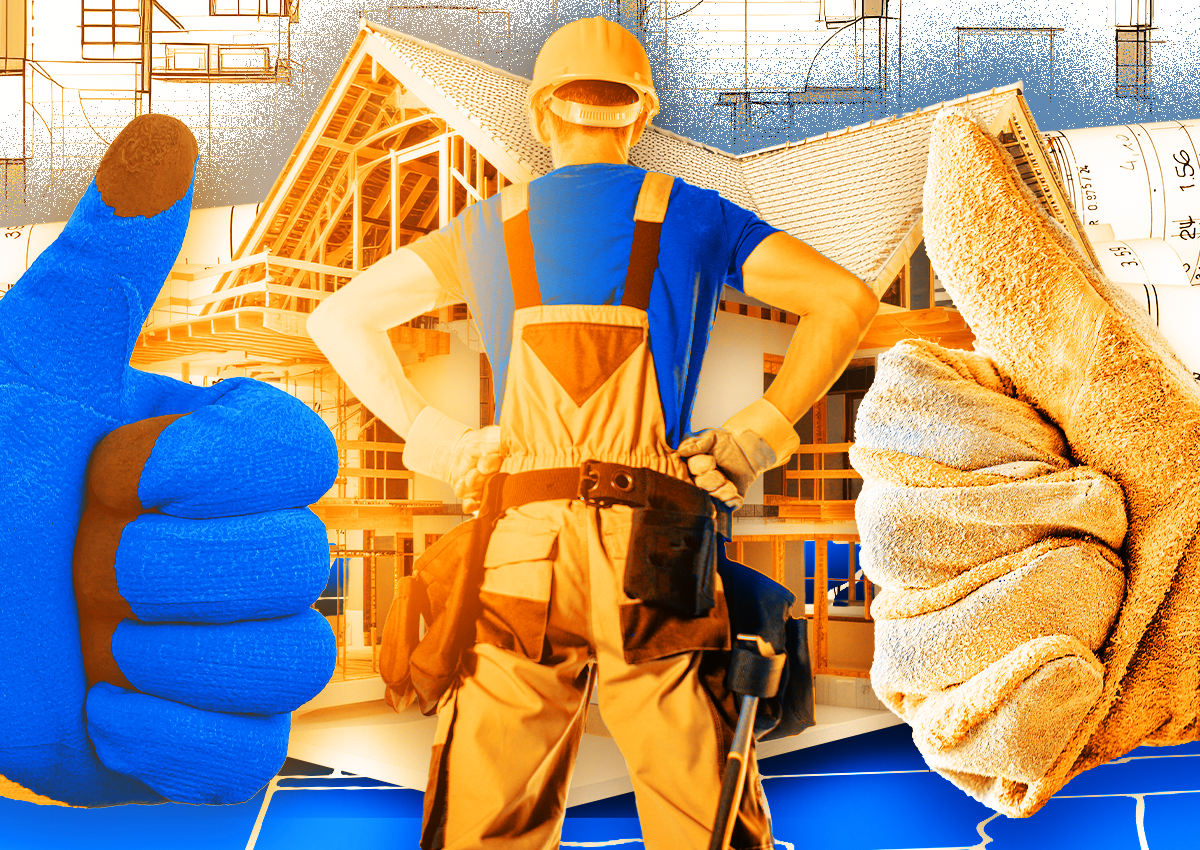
column 556, row 621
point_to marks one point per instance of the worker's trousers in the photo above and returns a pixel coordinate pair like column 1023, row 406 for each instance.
column 556, row 624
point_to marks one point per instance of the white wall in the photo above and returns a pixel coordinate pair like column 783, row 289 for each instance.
column 449, row 382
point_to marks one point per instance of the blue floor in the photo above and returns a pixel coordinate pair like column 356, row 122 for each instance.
column 872, row 792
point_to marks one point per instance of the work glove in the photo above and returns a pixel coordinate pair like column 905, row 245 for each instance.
column 998, row 562
column 1061, row 695
column 725, row 461
column 166, row 668
column 463, row 457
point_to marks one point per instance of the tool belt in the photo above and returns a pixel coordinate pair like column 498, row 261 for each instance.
column 675, row 551
column 672, row 546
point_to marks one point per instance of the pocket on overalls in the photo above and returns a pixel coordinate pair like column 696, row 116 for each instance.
column 518, row 571
column 671, row 560
column 674, row 600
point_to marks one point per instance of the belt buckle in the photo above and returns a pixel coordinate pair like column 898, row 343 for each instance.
column 604, row 484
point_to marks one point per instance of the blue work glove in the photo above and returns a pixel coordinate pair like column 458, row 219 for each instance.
column 192, row 640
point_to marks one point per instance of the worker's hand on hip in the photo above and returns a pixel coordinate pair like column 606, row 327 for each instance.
column 166, row 663
column 450, row 451
column 475, row 458
column 719, row 465
column 725, row 461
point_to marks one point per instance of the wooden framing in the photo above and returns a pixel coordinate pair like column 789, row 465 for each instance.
column 389, row 156
column 377, row 166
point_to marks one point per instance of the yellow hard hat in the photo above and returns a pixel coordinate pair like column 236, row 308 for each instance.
column 591, row 49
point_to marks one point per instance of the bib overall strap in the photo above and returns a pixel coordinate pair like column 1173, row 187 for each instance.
column 518, row 246
column 643, row 254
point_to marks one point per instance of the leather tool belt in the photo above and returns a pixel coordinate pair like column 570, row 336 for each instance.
column 672, row 563
column 672, row 546
column 674, row 553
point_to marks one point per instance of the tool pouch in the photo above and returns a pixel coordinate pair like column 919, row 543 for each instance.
column 760, row 606
column 420, row 597
column 443, row 591
column 672, row 560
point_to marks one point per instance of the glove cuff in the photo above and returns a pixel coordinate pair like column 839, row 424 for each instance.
column 430, row 438
column 766, row 425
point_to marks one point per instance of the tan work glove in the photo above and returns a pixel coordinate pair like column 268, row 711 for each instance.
column 998, row 560
column 462, row 456
column 725, row 461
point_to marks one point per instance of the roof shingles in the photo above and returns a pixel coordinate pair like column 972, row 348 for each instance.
column 853, row 195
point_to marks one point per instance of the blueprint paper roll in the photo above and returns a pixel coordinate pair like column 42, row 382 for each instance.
column 213, row 236
column 1176, row 312
column 1140, row 261
column 1141, row 179
column 20, row 245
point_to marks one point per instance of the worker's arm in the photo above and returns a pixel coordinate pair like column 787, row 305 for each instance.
column 350, row 327
column 835, row 310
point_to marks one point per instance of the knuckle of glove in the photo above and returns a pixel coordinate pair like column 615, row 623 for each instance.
column 701, row 443
column 728, row 493
column 489, row 464
column 700, row 464
column 711, row 481
column 731, row 460
column 489, row 439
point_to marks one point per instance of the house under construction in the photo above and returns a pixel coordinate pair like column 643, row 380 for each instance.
column 406, row 137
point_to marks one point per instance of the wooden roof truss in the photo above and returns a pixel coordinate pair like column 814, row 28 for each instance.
column 379, row 172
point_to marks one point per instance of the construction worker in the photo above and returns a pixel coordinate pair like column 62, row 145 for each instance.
column 596, row 326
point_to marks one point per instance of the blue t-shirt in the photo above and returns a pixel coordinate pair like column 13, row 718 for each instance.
column 581, row 224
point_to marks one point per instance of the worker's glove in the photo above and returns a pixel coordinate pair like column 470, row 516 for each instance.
column 997, row 559
column 168, row 665
column 461, row 456
column 725, row 461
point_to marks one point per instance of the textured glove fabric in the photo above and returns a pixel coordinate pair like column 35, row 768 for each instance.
column 1075, row 348
column 240, row 455
column 463, row 457
column 164, row 742
column 223, row 569
column 997, row 562
column 725, row 461
column 724, row 465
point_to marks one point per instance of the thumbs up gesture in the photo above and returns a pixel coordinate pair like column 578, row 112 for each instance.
column 158, row 559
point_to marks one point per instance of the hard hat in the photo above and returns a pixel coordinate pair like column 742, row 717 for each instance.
column 591, row 49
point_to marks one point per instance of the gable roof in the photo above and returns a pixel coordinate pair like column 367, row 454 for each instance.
column 854, row 195
column 494, row 101
column 833, row 191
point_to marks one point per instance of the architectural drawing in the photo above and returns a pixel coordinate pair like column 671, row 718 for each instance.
column 736, row 74
column 1133, row 21
column 406, row 136
column 74, row 73
column 811, row 52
